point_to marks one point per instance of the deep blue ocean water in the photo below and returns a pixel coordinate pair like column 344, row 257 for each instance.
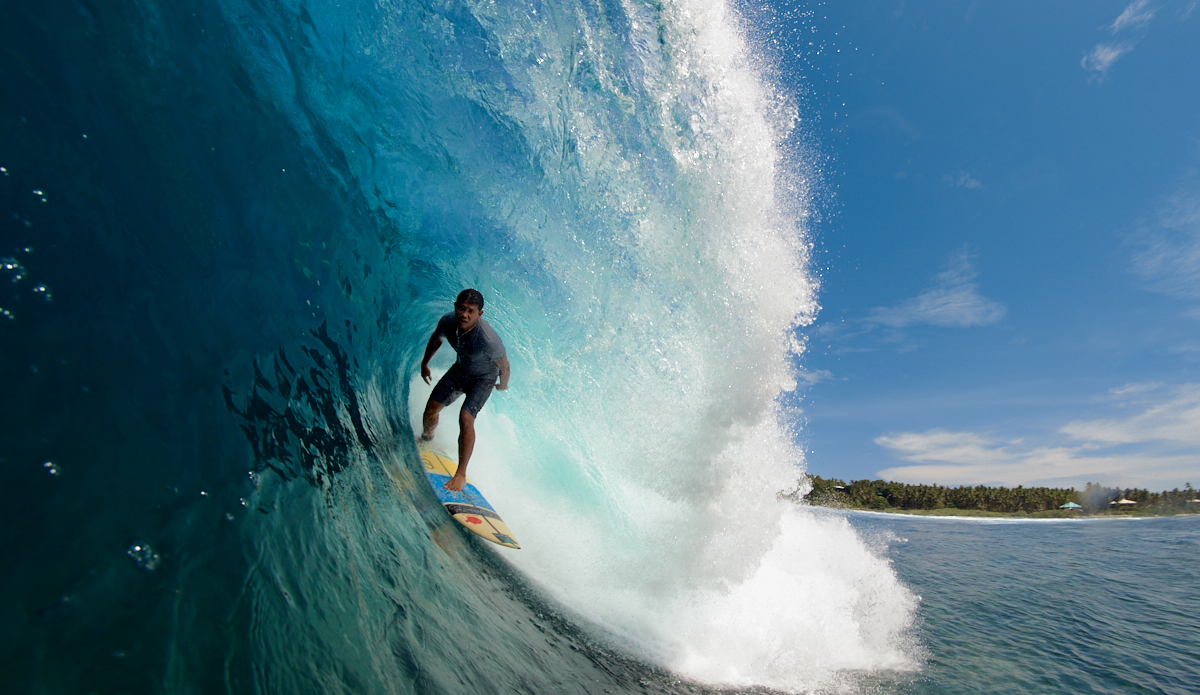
column 226, row 231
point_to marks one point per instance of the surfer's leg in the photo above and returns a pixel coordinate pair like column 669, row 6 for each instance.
column 477, row 391
column 466, row 444
column 429, row 421
column 444, row 393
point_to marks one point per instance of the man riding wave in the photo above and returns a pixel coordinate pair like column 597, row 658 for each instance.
column 481, row 361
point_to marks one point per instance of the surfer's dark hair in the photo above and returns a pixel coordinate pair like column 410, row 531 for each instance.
column 470, row 297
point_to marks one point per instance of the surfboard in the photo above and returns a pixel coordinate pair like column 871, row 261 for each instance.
column 467, row 506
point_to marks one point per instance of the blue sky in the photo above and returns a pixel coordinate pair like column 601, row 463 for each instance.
column 1010, row 263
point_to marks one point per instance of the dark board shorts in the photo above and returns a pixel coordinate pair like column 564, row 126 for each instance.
column 456, row 382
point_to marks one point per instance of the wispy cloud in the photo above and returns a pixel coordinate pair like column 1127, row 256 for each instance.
column 1157, row 446
column 1137, row 14
column 1134, row 19
column 1171, row 420
column 1129, row 389
column 1102, row 58
column 809, row 377
column 1168, row 259
column 953, row 301
column 964, row 180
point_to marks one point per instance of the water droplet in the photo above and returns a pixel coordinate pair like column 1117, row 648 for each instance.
column 243, row 501
column 144, row 556
column 52, row 468
column 203, row 493
column 7, row 314
column 38, row 193
column 43, row 292
column 228, row 516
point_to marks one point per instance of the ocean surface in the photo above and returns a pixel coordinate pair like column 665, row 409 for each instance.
column 227, row 228
column 1048, row 606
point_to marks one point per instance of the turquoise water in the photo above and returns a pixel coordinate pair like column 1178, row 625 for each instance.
column 228, row 229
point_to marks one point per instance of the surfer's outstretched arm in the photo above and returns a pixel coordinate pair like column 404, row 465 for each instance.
column 435, row 342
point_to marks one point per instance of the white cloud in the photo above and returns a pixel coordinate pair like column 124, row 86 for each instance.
column 1169, row 259
column 953, row 301
column 964, row 180
column 1173, row 421
column 1144, row 387
column 1135, row 15
column 808, row 378
column 1102, row 58
column 1157, row 447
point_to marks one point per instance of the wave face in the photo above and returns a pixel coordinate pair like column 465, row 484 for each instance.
column 245, row 218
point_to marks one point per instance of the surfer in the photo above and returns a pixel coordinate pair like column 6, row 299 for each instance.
column 481, row 359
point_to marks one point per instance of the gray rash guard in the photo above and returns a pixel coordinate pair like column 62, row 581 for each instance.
column 478, row 349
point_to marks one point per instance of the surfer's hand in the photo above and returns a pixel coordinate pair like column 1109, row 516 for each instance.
column 456, row 483
column 502, row 386
column 426, row 374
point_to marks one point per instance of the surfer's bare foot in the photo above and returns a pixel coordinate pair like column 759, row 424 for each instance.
column 425, row 438
column 456, row 483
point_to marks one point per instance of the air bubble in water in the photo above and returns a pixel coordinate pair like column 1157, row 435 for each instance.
column 144, row 556
column 13, row 267
column 51, row 468
column 43, row 292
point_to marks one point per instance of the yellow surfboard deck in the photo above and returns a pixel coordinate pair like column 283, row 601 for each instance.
column 467, row 506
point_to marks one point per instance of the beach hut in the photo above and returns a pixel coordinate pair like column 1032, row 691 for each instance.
column 1122, row 504
column 1070, row 505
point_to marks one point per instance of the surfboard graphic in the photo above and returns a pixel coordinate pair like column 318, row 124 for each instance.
column 467, row 506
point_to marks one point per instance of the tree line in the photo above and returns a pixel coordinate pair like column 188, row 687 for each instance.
column 1094, row 498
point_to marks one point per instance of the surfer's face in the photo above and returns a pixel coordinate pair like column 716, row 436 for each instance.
column 467, row 316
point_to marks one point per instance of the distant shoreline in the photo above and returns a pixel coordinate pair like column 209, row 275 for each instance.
column 980, row 501
column 982, row 514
